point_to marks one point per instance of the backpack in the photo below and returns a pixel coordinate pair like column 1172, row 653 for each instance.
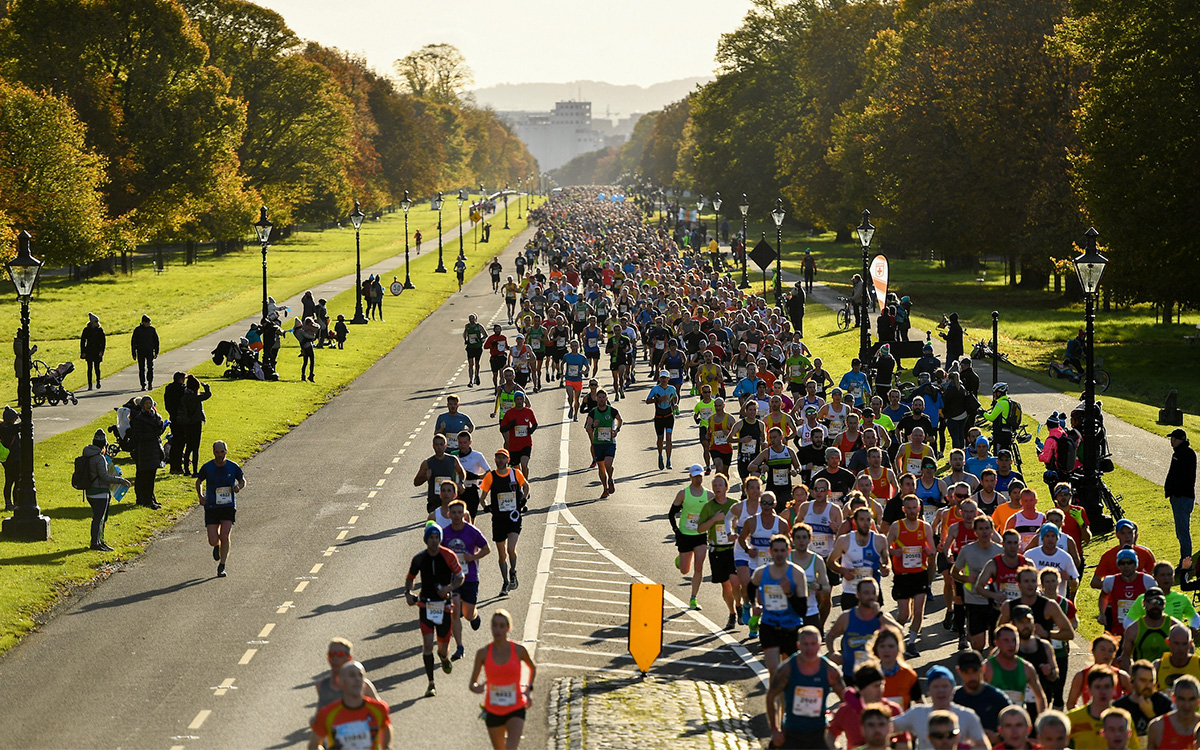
column 1015, row 414
column 1066, row 453
column 81, row 477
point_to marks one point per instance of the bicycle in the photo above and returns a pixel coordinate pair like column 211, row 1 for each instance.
column 845, row 316
column 1067, row 372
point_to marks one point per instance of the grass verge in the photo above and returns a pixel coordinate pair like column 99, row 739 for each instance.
column 34, row 576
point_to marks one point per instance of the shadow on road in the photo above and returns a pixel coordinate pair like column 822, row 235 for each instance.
column 358, row 601
column 141, row 596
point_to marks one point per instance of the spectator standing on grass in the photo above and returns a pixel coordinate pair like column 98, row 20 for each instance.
column 173, row 403
column 954, row 339
column 340, row 331
column 99, row 494
column 367, row 290
column 10, row 438
column 144, row 346
column 91, row 348
column 377, row 286
column 192, row 420
column 321, row 316
column 308, row 306
column 146, row 429
column 272, row 334
column 1180, row 489
column 306, row 334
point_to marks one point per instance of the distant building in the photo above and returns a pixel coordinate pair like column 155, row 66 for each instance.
column 556, row 137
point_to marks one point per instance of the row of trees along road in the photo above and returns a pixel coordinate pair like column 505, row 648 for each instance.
column 966, row 126
column 132, row 121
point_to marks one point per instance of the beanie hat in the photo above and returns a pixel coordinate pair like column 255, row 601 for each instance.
column 92, row 318
column 99, row 438
column 432, row 529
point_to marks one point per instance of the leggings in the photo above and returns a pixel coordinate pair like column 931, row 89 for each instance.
column 307, row 359
column 93, row 364
column 99, row 516
column 10, row 481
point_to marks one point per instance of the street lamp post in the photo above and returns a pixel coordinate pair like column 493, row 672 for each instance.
column 356, row 218
column 462, row 198
column 1090, row 267
column 744, row 207
column 437, row 206
column 716, row 204
column 262, row 228
column 520, row 186
column 778, row 215
column 866, row 230
column 406, row 204
column 27, row 521
column 506, row 205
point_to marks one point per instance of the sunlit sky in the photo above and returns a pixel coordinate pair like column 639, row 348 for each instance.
column 542, row 41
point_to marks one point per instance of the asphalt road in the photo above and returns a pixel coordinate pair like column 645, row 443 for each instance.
column 165, row 655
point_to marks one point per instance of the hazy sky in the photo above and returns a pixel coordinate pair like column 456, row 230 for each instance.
column 554, row 41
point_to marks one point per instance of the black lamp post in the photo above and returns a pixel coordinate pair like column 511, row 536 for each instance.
column 866, row 230
column 778, row 215
column 437, row 206
column 744, row 207
column 27, row 521
column 716, row 204
column 520, row 186
column 1090, row 267
column 262, row 228
column 356, row 218
column 406, row 204
column 462, row 198
column 506, row 205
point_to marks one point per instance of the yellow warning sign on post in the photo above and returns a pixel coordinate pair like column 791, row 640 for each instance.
column 645, row 623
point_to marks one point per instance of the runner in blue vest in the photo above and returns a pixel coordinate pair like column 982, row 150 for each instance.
column 783, row 591
column 857, row 626
column 798, row 693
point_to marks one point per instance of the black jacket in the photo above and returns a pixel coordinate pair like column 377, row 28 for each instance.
column 173, row 399
column 145, row 428
column 955, row 400
column 144, row 341
column 192, row 407
column 91, row 343
column 1181, row 476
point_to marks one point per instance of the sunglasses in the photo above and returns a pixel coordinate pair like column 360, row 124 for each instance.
column 1127, row 562
column 942, row 735
column 961, row 497
column 338, row 653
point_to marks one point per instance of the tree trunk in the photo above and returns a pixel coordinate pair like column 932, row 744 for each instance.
column 1012, row 269
column 843, row 235
column 191, row 252
column 1057, row 283
column 1168, row 311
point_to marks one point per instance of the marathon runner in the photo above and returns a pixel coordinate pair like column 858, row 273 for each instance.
column 473, row 336
column 602, row 425
column 665, row 398
column 440, row 576
column 507, row 494
column 690, row 539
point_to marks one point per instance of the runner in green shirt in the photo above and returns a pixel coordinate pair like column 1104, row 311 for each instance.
column 690, row 540
column 602, row 426
column 721, row 565
column 702, row 413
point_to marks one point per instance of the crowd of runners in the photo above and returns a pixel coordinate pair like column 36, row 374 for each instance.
column 831, row 512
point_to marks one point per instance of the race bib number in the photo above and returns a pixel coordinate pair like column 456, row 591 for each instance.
column 593, row 343
column 500, row 345
column 1010, row 589
column 691, row 521
column 1029, row 696
column 604, row 434
column 753, row 348
column 822, row 543
column 562, row 342
column 521, row 430
column 720, row 437
column 580, row 315
column 507, row 501
column 796, row 371
column 438, row 482
column 473, row 340
column 1123, row 608
column 353, row 735
column 1015, row 697
column 806, row 701
column 723, row 535
column 929, row 514
column 502, row 695
column 773, row 598
column 861, row 574
column 572, row 371
column 659, row 345
column 780, row 477
column 912, row 466
column 224, row 495
column 749, row 449
column 435, row 612
column 705, row 413
column 462, row 559
column 674, row 374
column 741, row 373
column 911, row 557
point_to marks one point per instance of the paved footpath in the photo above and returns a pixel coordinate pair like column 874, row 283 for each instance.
column 1140, row 451
column 123, row 385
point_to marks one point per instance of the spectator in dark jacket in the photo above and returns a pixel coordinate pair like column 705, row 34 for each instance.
column 173, row 403
column 99, row 491
column 191, row 423
column 885, row 368
column 795, row 307
column 340, row 331
column 1180, row 488
column 10, row 437
column 91, row 348
column 956, row 403
column 308, row 305
column 145, row 429
column 954, row 339
column 271, row 336
column 144, row 344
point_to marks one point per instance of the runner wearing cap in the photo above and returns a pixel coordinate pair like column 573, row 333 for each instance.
column 518, row 426
column 440, row 575
column 507, row 493
column 473, row 337
column 689, row 537
column 602, row 426
column 1146, row 637
column 665, row 398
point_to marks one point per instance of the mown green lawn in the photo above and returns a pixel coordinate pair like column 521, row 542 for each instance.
column 1144, row 359
column 36, row 575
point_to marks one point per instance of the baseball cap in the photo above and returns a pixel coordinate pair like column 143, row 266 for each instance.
column 502, row 452
column 923, row 377
column 868, row 412
column 1178, row 434
column 1021, row 611
column 938, row 672
column 1127, row 554
column 664, row 374
column 696, row 470
column 1125, row 523
column 1004, row 453
column 1154, row 592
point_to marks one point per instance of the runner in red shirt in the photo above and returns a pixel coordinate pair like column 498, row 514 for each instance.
column 518, row 427
column 354, row 721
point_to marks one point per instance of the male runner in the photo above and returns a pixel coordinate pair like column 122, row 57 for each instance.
column 783, row 591
column 911, row 543
column 440, row 575
column 690, row 539
column 438, row 468
column 602, row 426
column 473, row 337
column 468, row 544
column 508, row 493
column 224, row 479
column 518, row 426
column 575, row 365
column 665, row 398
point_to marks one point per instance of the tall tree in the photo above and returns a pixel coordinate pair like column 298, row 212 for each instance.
column 1138, row 119
column 436, row 71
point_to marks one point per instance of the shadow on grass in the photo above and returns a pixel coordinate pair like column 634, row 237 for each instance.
column 42, row 559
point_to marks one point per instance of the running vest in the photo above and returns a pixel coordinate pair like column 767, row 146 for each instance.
column 1012, row 682
column 503, row 494
column 1028, row 528
column 881, row 488
column 689, row 515
column 931, row 500
column 779, row 473
column 1036, row 659
column 505, row 401
column 863, row 561
column 504, row 694
column 964, row 536
column 781, row 421
column 673, row 364
column 602, row 421
column 1151, row 643
column 761, row 541
column 858, row 634
column 810, row 575
column 440, row 470
column 911, row 543
column 718, row 430
column 744, row 515
column 1121, row 598
column 837, row 420
column 777, row 608
column 748, row 451
column 1006, row 577
column 805, row 698
column 823, row 534
column 1168, row 672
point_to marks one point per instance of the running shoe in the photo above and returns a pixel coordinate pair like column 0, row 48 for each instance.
column 693, row 604
column 447, row 667
column 504, row 589
column 475, row 623
column 668, row 463
column 912, row 651
column 744, row 615
column 430, row 691
column 458, row 654
column 753, row 624
column 611, row 487
column 476, row 380
column 470, row 383
column 593, row 465
column 221, row 570
column 660, row 461
column 677, row 565
column 512, row 581
column 576, row 419
column 731, row 623
column 963, row 644
column 217, row 553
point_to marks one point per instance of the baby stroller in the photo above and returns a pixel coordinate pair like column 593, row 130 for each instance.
column 240, row 360
column 120, row 431
column 47, row 383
